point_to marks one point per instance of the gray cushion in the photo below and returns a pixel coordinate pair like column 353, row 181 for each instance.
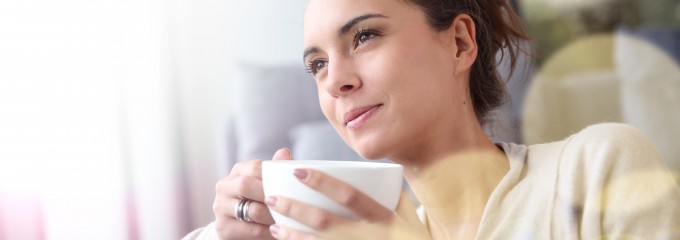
column 319, row 141
column 266, row 101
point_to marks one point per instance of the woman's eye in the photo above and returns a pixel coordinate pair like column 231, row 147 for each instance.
column 362, row 36
column 315, row 66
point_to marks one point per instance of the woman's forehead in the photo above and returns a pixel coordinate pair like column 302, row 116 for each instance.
column 336, row 12
column 326, row 17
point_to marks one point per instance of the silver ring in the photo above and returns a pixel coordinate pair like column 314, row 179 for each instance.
column 241, row 210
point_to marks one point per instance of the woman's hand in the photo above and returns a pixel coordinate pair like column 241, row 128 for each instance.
column 375, row 221
column 244, row 181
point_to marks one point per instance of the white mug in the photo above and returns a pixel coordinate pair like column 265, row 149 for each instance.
column 380, row 181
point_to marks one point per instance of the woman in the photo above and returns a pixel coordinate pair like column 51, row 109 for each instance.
column 412, row 80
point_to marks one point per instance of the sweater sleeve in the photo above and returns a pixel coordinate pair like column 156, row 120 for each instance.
column 627, row 190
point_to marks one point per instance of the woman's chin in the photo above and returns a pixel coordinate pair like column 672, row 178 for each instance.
column 371, row 157
column 369, row 146
column 370, row 153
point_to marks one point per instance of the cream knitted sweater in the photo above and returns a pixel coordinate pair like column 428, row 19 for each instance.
column 605, row 182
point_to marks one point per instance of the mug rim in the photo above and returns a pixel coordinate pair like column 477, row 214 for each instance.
column 333, row 163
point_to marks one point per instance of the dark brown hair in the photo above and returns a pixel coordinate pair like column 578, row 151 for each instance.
column 497, row 26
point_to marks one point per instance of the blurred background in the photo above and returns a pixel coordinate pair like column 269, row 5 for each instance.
column 117, row 118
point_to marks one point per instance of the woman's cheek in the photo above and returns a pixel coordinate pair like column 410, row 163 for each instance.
column 325, row 103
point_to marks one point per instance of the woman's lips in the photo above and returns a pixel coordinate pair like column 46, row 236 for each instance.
column 355, row 117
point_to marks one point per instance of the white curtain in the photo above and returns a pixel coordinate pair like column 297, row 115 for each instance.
column 112, row 117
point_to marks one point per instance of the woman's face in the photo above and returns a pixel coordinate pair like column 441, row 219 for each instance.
column 387, row 81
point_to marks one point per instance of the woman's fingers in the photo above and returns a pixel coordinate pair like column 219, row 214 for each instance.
column 306, row 214
column 344, row 194
column 244, row 182
column 282, row 232
column 247, row 168
column 229, row 228
column 257, row 211
column 240, row 187
column 283, row 154
column 331, row 226
column 245, row 179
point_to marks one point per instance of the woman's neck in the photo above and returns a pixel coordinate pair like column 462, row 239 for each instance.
column 454, row 188
column 452, row 170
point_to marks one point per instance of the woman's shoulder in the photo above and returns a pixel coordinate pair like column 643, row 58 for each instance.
column 595, row 151
column 611, row 144
column 612, row 153
column 611, row 157
column 614, row 134
column 602, row 145
column 611, row 174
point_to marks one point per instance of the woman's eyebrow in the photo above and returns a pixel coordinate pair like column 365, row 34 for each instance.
column 345, row 28
column 309, row 51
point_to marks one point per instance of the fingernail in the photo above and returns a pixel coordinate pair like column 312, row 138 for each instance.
column 274, row 229
column 270, row 201
column 301, row 173
column 286, row 152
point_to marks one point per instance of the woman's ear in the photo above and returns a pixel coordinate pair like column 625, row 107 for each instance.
column 464, row 49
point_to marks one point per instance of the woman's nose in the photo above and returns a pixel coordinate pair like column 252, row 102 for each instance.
column 342, row 79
